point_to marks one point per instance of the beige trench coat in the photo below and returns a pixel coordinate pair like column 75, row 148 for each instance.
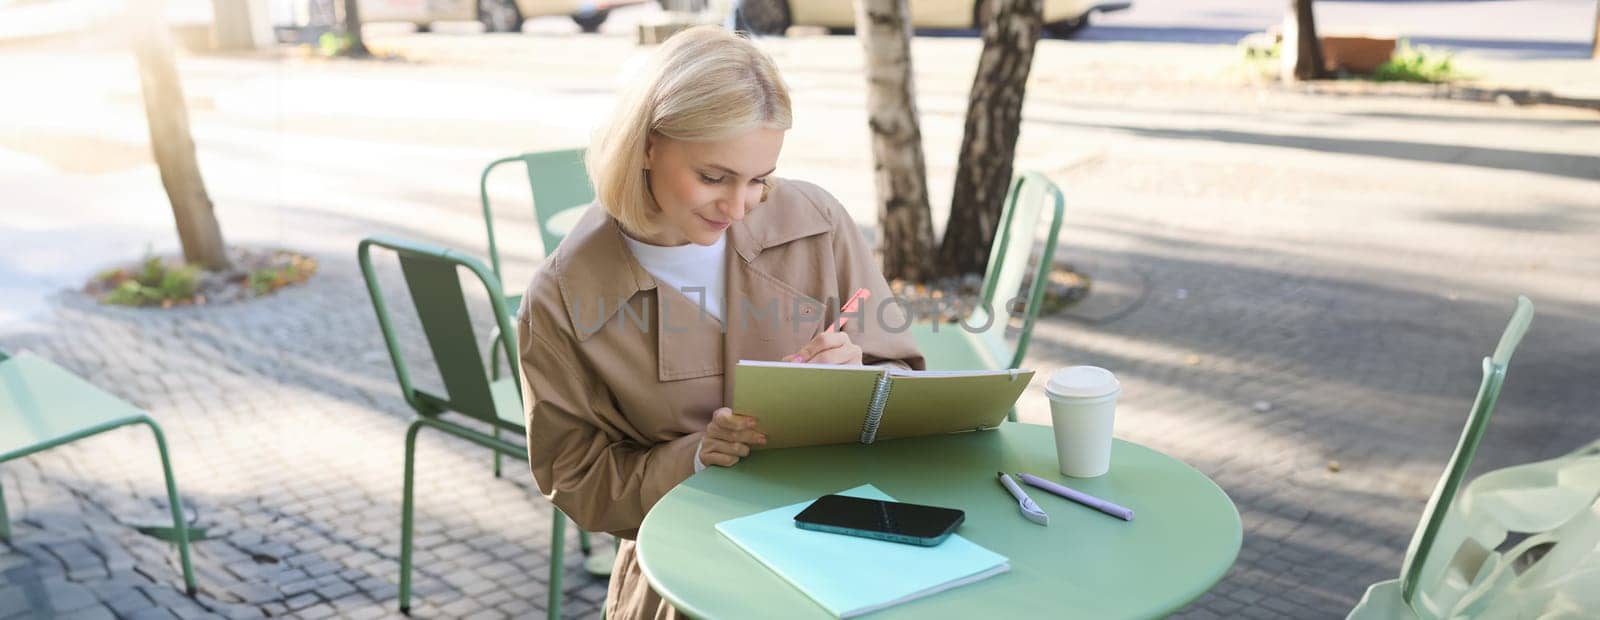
column 619, row 377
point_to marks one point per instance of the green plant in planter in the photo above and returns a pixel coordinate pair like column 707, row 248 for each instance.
column 155, row 283
column 1418, row 64
column 269, row 279
column 335, row 43
column 264, row 281
column 1258, row 59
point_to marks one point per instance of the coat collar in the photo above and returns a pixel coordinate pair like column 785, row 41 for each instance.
column 788, row 214
column 595, row 265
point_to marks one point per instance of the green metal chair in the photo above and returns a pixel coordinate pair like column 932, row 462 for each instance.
column 560, row 188
column 43, row 406
column 949, row 346
column 433, row 276
column 1453, row 548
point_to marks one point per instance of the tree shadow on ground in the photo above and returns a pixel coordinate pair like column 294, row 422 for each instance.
column 1549, row 218
column 1478, row 120
column 1570, row 165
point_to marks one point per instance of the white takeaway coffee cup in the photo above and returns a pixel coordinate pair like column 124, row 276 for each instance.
column 1083, row 404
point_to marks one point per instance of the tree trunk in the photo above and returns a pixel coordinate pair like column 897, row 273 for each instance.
column 168, row 117
column 1308, row 55
column 989, row 144
column 905, row 222
column 352, row 27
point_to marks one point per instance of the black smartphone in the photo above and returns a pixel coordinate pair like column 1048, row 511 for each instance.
column 913, row 524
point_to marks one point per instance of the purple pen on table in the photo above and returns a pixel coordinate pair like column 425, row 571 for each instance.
column 1079, row 496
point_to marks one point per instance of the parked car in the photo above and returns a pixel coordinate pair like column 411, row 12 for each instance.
column 495, row 15
column 1062, row 18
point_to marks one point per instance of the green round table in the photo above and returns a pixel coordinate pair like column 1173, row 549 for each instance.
column 1184, row 536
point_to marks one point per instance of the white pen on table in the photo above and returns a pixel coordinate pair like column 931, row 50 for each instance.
column 1024, row 503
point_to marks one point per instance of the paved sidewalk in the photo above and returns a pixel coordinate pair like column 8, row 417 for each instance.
column 1282, row 282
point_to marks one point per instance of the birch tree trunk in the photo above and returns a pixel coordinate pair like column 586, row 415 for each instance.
column 989, row 144
column 1308, row 54
column 168, row 117
column 352, row 27
column 905, row 223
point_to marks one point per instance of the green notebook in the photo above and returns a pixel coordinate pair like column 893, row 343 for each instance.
column 814, row 404
column 851, row 576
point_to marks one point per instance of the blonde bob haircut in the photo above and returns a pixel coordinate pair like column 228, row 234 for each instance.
column 704, row 84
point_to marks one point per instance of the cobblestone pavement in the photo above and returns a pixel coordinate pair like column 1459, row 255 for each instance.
column 1282, row 282
column 287, row 440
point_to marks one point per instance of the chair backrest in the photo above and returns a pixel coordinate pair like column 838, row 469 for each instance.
column 1031, row 197
column 1425, row 561
column 559, row 184
column 433, row 277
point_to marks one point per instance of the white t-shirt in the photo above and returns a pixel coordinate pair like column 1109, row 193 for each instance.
column 686, row 266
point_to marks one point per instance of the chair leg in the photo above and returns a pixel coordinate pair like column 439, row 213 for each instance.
column 405, row 519
column 179, row 525
column 5, row 521
column 598, row 565
column 494, row 375
column 497, row 454
column 558, row 539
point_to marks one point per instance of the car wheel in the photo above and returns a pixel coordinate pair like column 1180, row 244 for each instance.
column 1067, row 28
column 762, row 17
column 590, row 21
column 499, row 16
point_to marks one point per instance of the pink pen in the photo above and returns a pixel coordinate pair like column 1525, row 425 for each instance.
column 851, row 305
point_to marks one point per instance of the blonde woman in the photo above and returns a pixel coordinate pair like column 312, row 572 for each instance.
column 693, row 257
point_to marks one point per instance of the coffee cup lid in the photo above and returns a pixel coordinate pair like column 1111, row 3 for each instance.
column 1083, row 382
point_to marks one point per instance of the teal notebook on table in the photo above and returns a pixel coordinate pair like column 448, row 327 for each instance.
column 851, row 576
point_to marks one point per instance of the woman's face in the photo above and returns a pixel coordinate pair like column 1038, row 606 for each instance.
column 702, row 188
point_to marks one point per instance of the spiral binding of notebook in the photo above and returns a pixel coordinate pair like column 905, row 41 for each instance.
column 880, row 399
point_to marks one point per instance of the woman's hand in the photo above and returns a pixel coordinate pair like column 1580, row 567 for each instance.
column 728, row 438
column 828, row 348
